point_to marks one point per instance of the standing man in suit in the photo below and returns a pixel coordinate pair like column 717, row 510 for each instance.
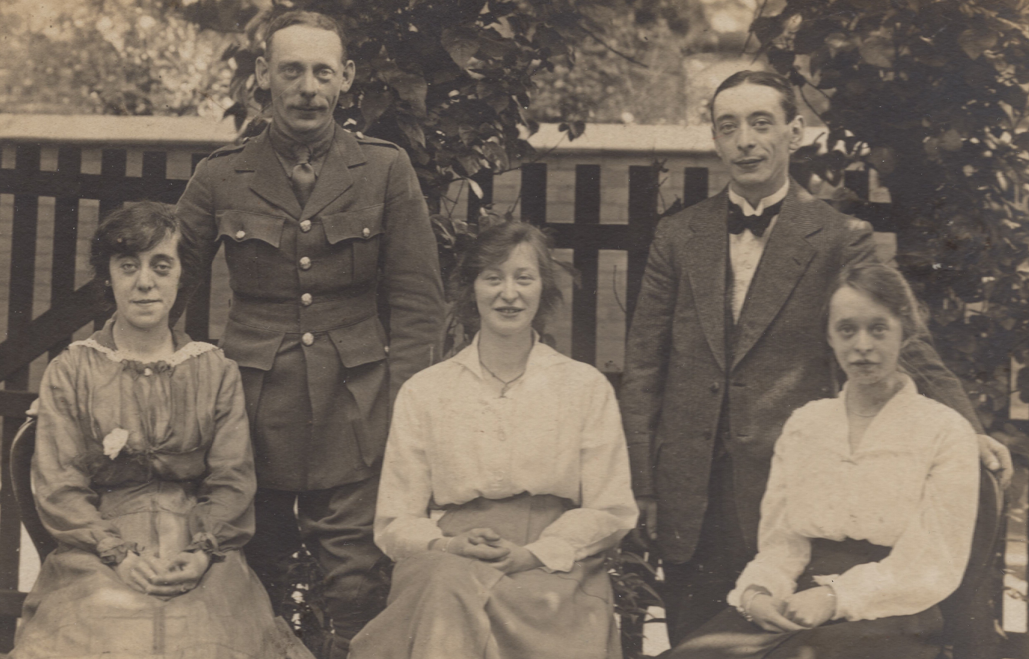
column 728, row 339
column 336, row 302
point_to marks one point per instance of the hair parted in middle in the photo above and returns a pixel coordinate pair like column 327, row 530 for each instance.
column 492, row 247
column 767, row 78
column 886, row 286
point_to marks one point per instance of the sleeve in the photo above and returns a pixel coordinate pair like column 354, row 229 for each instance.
column 928, row 560
column 223, row 518
column 782, row 553
column 411, row 277
column 646, row 359
column 402, row 524
column 196, row 208
column 920, row 360
column 608, row 509
column 918, row 356
column 68, row 506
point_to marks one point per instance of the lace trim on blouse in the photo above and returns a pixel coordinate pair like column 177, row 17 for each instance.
column 188, row 351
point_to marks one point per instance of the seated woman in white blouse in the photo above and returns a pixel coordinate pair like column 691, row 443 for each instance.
column 867, row 521
column 521, row 449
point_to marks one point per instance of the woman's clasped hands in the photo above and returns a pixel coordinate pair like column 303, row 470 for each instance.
column 162, row 577
column 806, row 609
column 486, row 545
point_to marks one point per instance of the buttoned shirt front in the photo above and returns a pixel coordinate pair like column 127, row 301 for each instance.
column 745, row 249
column 556, row 431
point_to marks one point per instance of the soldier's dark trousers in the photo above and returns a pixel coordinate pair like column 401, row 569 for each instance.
column 336, row 527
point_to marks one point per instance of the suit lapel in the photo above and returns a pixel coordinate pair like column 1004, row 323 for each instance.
column 269, row 180
column 785, row 258
column 705, row 267
column 335, row 177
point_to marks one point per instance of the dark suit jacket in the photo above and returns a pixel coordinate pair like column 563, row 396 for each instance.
column 677, row 376
column 361, row 245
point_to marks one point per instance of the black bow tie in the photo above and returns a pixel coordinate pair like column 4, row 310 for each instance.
column 757, row 224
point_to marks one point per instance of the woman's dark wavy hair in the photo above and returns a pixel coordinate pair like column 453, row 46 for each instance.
column 137, row 228
column 492, row 247
column 886, row 286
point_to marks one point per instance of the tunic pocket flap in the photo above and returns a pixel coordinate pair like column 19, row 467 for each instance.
column 360, row 343
column 361, row 224
column 250, row 347
column 243, row 225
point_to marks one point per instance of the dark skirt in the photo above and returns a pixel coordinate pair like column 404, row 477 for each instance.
column 730, row 636
column 442, row 605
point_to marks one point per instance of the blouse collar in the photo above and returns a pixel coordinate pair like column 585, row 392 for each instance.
column 907, row 390
column 540, row 356
column 105, row 336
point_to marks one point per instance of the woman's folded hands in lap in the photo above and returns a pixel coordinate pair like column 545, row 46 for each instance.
column 486, row 545
column 163, row 578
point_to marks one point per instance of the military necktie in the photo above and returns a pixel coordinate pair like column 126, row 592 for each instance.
column 303, row 177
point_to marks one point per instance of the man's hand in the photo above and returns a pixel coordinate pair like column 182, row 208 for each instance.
column 647, row 525
column 181, row 574
column 767, row 613
column 519, row 559
column 997, row 458
column 811, row 607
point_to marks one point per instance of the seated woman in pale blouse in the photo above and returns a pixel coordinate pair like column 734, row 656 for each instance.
column 867, row 521
column 522, row 450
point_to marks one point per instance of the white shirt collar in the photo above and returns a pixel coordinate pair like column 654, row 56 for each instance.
column 770, row 200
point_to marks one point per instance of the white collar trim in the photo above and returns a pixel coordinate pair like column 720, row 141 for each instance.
column 188, row 351
column 770, row 200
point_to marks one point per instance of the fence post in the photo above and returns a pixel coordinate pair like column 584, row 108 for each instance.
column 66, row 230
column 534, row 193
column 643, row 189
column 586, row 262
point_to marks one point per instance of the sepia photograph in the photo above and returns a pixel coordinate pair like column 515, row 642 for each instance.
column 514, row 329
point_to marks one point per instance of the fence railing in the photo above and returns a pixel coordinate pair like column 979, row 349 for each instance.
column 69, row 309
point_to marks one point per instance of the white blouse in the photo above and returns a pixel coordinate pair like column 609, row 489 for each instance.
column 556, row 431
column 912, row 484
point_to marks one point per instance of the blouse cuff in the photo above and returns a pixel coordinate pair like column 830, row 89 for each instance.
column 555, row 554
column 113, row 550
column 833, row 581
column 778, row 585
column 206, row 543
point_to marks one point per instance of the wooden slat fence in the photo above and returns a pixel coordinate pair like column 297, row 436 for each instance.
column 70, row 309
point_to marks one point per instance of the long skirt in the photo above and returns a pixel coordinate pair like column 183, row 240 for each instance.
column 442, row 605
column 730, row 636
column 80, row 609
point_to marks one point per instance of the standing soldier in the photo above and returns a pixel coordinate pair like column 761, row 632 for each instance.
column 336, row 302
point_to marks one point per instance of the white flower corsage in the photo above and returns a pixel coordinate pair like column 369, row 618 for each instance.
column 115, row 442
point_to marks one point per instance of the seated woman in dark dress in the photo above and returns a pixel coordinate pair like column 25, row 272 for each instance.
column 867, row 521
column 143, row 474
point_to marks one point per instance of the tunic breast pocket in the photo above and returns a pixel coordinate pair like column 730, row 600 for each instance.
column 359, row 232
column 252, row 242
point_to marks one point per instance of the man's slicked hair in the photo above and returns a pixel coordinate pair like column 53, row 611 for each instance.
column 779, row 83
column 307, row 18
